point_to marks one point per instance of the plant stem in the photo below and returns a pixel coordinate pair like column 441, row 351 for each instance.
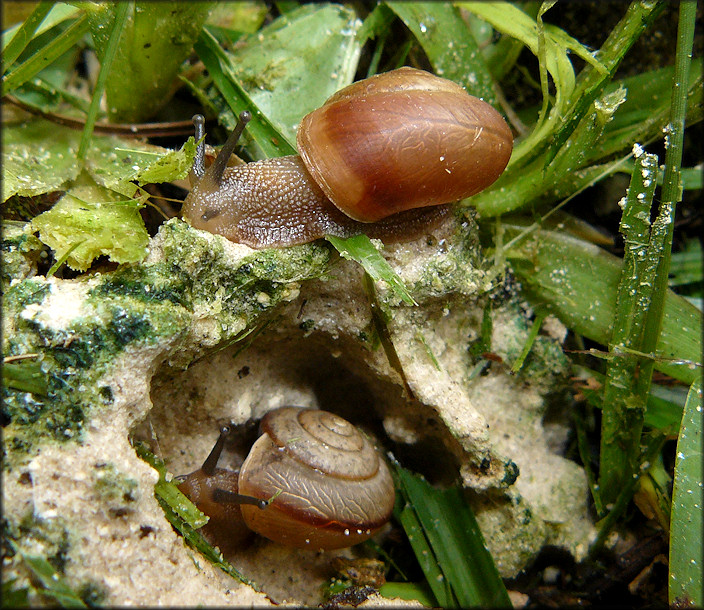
column 671, row 189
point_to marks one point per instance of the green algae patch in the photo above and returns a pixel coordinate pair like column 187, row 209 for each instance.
column 459, row 267
column 75, row 330
column 21, row 252
column 115, row 490
column 234, row 285
column 75, row 336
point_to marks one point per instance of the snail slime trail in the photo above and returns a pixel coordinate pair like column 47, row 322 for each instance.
column 311, row 480
column 355, row 174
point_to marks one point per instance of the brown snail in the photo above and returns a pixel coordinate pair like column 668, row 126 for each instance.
column 312, row 479
column 380, row 157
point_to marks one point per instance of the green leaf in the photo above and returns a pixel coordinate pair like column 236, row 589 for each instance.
column 360, row 248
column 578, row 281
column 157, row 38
column 449, row 45
column 91, row 215
column 686, row 529
column 25, row 33
column 58, row 13
column 169, row 493
column 116, row 28
column 624, row 393
column 25, row 375
column 260, row 129
column 39, row 157
column 456, row 554
column 290, row 67
column 34, row 163
column 551, row 49
column 410, row 591
column 174, row 165
column 185, row 517
column 52, row 582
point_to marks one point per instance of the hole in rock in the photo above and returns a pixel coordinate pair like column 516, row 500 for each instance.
column 190, row 405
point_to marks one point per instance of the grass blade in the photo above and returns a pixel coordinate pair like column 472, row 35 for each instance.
column 122, row 10
column 456, row 543
column 267, row 137
column 578, row 282
column 624, row 397
column 360, row 248
column 449, row 45
column 25, row 33
column 184, row 515
column 686, row 530
column 46, row 55
column 52, row 582
column 663, row 227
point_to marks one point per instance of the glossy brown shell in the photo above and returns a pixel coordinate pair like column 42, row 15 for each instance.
column 331, row 487
column 402, row 140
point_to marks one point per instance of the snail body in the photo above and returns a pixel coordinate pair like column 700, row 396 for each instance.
column 381, row 157
column 312, row 479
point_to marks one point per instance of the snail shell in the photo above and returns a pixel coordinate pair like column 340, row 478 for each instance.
column 331, row 489
column 402, row 140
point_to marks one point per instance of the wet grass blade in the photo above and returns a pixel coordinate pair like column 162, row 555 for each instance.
column 624, row 396
column 449, row 45
column 122, row 10
column 686, row 529
column 45, row 56
column 25, row 33
column 262, row 131
column 184, row 516
column 452, row 550
column 53, row 584
column 360, row 248
column 578, row 281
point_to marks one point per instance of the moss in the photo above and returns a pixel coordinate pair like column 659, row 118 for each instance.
column 21, row 251
column 238, row 291
column 117, row 491
column 32, row 535
column 459, row 268
column 152, row 284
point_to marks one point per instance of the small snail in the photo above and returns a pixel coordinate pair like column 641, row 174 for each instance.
column 312, row 479
column 380, row 157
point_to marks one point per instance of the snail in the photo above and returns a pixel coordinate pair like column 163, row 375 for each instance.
column 312, row 479
column 381, row 157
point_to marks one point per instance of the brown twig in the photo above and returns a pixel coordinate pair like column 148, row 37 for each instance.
column 171, row 128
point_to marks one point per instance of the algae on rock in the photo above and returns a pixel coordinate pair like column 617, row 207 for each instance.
column 205, row 331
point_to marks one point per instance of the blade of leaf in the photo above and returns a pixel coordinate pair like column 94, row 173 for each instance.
column 59, row 12
column 53, row 583
column 686, row 530
column 25, row 33
column 273, row 143
column 578, row 281
column 449, row 45
column 46, row 55
column 122, row 10
column 360, row 248
column 408, row 591
column 424, row 553
column 457, row 542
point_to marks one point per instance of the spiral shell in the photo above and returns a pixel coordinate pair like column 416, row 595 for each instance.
column 331, row 488
column 402, row 140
